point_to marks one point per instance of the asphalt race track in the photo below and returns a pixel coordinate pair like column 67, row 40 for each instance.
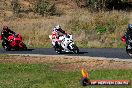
column 92, row 52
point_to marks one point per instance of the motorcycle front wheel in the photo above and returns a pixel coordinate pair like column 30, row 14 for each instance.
column 24, row 46
column 75, row 49
column 129, row 51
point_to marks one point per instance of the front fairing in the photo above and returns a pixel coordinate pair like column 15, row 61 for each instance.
column 16, row 40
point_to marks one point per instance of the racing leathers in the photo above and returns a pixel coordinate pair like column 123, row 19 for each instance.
column 56, row 33
column 5, row 34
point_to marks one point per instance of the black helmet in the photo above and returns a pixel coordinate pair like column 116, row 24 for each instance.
column 130, row 26
column 5, row 28
column 58, row 28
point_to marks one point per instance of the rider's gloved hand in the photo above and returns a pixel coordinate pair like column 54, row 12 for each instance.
column 15, row 35
column 66, row 34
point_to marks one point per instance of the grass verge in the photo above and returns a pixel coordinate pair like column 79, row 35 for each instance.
column 44, row 76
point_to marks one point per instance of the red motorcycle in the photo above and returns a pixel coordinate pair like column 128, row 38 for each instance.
column 15, row 42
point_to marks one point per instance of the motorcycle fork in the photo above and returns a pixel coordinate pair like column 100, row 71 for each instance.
column 20, row 45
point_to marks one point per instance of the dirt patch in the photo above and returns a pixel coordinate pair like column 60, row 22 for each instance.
column 66, row 63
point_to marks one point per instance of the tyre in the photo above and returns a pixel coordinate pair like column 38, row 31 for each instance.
column 5, row 46
column 75, row 49
column 58, row 50
column 17, row 48
column 129, row 51
column 24, row 46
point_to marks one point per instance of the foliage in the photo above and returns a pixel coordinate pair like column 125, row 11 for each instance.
column 45, row 7
column 15, row 6
column 101, row 29
column 104, row 4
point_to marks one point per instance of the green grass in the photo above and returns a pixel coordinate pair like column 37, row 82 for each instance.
column 43, row 76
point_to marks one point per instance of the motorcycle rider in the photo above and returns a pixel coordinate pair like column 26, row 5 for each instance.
column 56, row 33
column 128, row 35
column 5, row 33
column 129, row 32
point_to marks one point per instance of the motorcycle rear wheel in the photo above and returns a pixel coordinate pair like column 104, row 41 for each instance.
column 6, row 47
column 58, row 50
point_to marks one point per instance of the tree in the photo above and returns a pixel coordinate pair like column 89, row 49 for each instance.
column 44, row 7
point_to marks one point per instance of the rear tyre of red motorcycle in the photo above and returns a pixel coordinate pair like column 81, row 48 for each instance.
column 25, row 48
column 7, row 48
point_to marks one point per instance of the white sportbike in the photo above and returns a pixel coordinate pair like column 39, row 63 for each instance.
column 66, row 45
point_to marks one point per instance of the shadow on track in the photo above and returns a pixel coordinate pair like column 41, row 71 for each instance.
column 29, row 50
column 106, row 52
column 102, row 52
column 71, row 53
column 82, row 52
column 23, row 50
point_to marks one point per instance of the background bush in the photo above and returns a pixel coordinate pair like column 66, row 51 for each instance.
column 15, row 6
column 45, row 7
column 104, row 4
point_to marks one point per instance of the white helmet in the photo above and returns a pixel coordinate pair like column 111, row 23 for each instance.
column 58, row 27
